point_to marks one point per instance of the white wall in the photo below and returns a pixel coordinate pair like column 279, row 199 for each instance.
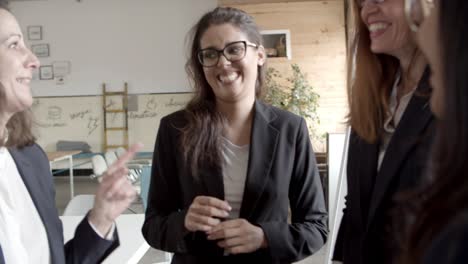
column 141, row 42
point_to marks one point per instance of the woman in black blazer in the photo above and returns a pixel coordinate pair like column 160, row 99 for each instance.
column 227, row 167
column 30, row 228
column 438, row 212
column 392, row 127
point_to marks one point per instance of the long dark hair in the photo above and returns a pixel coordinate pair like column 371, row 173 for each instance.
column 439, row 203
column 20, row 124
column 201, row 138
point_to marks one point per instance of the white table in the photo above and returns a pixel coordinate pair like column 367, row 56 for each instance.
column 132, row 244
column 63, row 155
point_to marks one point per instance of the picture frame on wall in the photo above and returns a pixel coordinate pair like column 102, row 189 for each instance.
column 34, row 32
column 46, row 72
column 59, row 80
column 40, row 50
column 277, row 43
column 61, row 68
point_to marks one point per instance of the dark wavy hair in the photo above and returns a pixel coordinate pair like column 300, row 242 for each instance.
column 440, row 202
column 201, row 138
column 20, row 124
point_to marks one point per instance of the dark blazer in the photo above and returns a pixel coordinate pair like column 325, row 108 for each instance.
column 86, row 246
column 368, row 229
column 282, row 172
column 450, row 245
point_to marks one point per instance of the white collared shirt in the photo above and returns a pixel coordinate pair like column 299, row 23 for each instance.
column 23, row 237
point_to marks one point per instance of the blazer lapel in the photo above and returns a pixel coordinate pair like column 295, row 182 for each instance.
column 31, row 181
column 415, row 119
column 36, row 189
column 263, row 143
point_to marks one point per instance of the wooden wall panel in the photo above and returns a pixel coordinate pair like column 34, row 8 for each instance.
column 249, row 2
column 318, row 46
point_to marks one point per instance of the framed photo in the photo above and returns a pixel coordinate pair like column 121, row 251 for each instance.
column 46, row 72
column 35, row 32
column 61, row 68
column 277, row 43
column 40, row 50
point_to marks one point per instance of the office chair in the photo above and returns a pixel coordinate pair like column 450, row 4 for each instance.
column 99, row 167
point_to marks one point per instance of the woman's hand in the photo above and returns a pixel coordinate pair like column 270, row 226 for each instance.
column 238, row 236
column 204, row 213
column 115, row 193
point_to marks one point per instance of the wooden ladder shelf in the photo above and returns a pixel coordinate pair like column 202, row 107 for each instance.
column 123, row 111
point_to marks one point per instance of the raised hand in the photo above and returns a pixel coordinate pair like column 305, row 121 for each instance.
column 205, row 212
column 115, row 193
column 238, row 236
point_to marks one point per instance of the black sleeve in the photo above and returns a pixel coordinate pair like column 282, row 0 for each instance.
column 308, row 230
column 450, row 246
column 87, row 246
column 164, row 222
column 340, row 238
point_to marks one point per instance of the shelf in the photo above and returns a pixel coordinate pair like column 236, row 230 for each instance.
column 114, row 93
column 116, row 111
column 117, row 128
column 277, row 43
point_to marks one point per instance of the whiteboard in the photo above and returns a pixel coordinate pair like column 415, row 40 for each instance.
column 81, row 118
column 141, row 42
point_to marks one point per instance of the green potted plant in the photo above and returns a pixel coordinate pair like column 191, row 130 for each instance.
column 294, row 94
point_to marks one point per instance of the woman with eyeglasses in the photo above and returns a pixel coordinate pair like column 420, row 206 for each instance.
column 438, row 213
column 227, row 167
column 391, row 130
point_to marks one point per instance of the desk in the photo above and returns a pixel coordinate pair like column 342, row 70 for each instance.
column 132, row 244
column 63, row 155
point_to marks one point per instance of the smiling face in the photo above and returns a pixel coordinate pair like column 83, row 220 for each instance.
column 16, row 66
column 231, row 81
column 388, row 29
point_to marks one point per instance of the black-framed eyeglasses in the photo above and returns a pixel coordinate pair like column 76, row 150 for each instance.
column 416, row 11
column 234, row 51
